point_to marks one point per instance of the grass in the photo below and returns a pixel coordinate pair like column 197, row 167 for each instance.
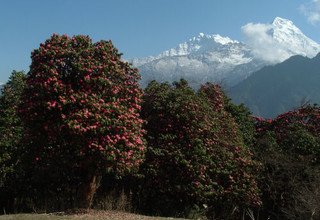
column 33, row 216
column 91, row 215
column 110, row 207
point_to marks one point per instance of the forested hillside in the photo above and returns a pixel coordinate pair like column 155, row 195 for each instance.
column 280, row 88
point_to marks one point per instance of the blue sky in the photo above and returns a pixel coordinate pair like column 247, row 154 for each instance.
column 138, row 28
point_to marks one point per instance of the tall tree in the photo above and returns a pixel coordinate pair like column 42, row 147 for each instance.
column 11, row 129
column 240, row 113
column 289, row 149
column 195, row 155
column 81, row 108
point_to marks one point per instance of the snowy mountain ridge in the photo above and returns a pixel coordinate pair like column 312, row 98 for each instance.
column 279, row 40
column 202, row 42
column 221, row 59
column 284, row 31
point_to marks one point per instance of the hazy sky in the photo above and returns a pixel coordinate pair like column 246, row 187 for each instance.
column 138, row 28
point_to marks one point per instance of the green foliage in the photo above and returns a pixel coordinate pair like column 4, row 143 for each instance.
column 240, row 113
column 245, row 122
column 11, row 132
column 301, row 142
column 11, row 129
column 195, row 157
column 288, row 147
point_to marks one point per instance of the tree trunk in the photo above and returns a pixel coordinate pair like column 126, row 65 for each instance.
column 87, row 191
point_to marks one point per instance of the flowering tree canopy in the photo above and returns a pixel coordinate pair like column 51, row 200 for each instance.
column 288, row 147
column 81, row 106
column 295, row 131
column 195, row 155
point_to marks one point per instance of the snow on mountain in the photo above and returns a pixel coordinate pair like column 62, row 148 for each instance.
column 291, row 37
column 202, row 58
column 200, row 44
column 276, row 42
column 220, row 59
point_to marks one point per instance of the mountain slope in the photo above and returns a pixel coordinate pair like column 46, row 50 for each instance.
column 279, row 88
column 278, row 41
column 201, row 59
column 223, row 60
column 292, row 39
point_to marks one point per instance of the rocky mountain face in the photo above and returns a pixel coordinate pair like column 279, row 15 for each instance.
column 222, row 60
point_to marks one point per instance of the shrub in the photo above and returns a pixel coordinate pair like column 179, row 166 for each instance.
column 195, row 157
column 289, row 148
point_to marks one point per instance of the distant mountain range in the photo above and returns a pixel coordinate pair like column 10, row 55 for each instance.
column 282, row 87
column 223, row 60
column 201, row 59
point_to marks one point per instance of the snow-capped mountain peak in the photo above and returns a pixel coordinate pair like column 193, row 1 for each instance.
column 199, row 37
column 210, row 57
column 277, row 41
column 285, row 31
column 203, row 42
column 216, row 58
column 291, row 38
column 223, row 40
column 284, row 23
column 215, row 37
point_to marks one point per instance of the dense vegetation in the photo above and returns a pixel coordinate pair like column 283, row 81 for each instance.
column 195, row 154
column 77, row 130
column 289, row 149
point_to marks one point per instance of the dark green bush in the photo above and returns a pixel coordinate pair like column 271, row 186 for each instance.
column 289, row 149
column 195, row 157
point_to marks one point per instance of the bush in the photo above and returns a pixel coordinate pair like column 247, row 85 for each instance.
column 289, row 148
column 195, row 157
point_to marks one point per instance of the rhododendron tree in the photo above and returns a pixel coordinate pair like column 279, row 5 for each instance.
column 195, row 156
column 81, row 108
column 289, row 149
column 240, row 113
column 295, row 131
